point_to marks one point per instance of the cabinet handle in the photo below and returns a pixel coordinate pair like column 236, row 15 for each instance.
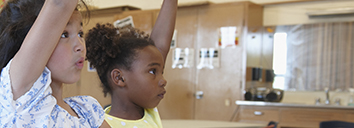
column 258, row 113
column 199, row 94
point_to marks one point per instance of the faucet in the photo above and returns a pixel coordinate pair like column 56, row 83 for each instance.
column 327, row 95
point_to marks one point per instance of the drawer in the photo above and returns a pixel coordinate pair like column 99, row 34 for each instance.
column 258, row 114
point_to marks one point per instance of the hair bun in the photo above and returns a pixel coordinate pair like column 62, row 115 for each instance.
column 99, row 43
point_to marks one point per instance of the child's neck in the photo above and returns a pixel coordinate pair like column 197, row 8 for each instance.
column 125, row 110
column 57, row 92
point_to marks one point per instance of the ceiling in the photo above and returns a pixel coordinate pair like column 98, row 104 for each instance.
column 155, row 4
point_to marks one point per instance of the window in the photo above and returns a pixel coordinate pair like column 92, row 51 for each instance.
column 279, row 60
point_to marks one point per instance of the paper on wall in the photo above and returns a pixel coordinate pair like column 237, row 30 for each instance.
column 128, row 21
column 228, row 36
column 208, row 58
column 182, row 58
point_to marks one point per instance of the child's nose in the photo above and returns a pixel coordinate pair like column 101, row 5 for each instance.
column 163, row 82
column 80, row 45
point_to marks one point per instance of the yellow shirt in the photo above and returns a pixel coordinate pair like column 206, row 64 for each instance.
column 151, row 119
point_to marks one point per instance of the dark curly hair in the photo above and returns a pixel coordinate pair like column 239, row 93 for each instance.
column 109, row 47
column 16, row 19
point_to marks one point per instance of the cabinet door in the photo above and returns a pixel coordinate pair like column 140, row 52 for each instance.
column 179, row 100
column 222, row 86
column 197, row 28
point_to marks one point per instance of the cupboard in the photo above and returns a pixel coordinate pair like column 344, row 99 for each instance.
column 197, row 28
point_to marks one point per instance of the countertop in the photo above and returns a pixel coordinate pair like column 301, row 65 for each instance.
column 208, row 124
column 279, row 104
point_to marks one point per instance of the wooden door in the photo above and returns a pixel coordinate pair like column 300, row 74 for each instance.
column 221, row 86
column 197, row 28
column 179, row 100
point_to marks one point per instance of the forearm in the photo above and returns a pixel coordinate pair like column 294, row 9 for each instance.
column 165, row 24
column 40, row 42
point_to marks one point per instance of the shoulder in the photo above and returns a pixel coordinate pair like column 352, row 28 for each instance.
column 152, row 110
column 88, row 108
column 154, row 115
column 87, row 103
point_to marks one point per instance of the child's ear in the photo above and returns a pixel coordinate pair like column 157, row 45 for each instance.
column 117, row 77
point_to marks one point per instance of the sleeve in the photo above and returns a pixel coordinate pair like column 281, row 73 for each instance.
column 154, row 113
column 88, row 108
column 37, row 100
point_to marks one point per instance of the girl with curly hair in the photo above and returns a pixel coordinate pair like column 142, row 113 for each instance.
column 130, row 66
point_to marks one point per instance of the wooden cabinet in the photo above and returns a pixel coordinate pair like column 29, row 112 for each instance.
column 197, row 27
column 294, row 117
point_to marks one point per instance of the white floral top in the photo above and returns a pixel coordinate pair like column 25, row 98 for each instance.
column 37, row 108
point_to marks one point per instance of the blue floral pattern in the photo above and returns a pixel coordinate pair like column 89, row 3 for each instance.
column 37, row 108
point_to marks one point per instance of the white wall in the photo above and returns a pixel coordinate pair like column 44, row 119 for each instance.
column 295, row 13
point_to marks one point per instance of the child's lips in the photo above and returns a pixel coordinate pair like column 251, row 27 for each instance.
column 80, row 63
column 161, row 95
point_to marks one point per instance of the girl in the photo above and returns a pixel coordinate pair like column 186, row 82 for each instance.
column 130, row 68
column 42, row 47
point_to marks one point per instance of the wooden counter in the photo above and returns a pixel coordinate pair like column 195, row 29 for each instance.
column 208, row 124
column 292, row 115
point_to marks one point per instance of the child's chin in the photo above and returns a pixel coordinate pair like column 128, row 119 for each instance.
column 72, row 81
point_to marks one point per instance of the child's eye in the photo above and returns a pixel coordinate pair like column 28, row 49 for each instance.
column 65, row 35
column 81, row 34
column 153, row 71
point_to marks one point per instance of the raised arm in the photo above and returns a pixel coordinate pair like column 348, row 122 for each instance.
column 40, row 42
column 165, row 24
